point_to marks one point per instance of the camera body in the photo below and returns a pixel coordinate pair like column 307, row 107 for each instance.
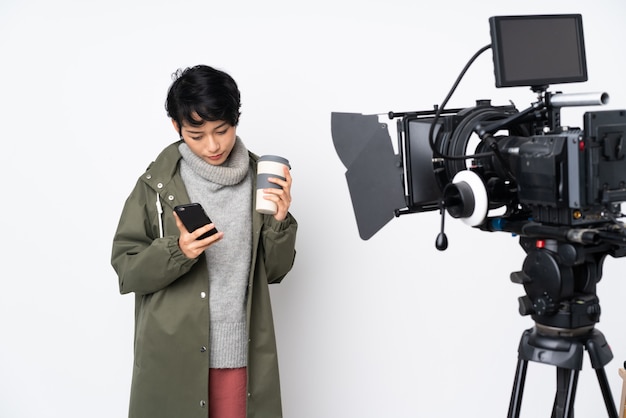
column 550, row 174
column 572, row 177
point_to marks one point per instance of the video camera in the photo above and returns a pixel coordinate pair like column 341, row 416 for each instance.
column 558, row 188
column 472, row 161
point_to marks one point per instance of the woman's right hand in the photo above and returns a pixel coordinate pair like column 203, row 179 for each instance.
column 188, row 242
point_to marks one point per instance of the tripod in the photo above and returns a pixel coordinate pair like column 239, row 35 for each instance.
column 566, row 353
column 560, row 282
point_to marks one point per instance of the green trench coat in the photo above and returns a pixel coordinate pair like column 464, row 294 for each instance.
column 171, row 356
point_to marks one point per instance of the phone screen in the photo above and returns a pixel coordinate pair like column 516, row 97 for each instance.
column 193, row 217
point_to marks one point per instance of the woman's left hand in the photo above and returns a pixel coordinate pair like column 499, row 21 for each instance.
column 282, row 196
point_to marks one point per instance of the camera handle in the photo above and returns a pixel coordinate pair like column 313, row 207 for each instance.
column 531, row 113
column 538, row 111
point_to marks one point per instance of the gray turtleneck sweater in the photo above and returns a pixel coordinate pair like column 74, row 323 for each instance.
column 225, row 193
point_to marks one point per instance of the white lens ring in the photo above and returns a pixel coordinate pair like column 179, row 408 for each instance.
column 480, row 196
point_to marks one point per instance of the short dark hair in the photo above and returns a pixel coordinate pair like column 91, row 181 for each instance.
column 206, row 92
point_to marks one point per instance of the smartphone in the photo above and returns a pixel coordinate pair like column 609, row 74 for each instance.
column 193, row 217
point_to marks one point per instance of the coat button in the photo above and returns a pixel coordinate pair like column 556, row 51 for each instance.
column 203, row 295
column 202, row 349
column 202, row 404
column 170, row 198
column 149, row 176
column 160, row 185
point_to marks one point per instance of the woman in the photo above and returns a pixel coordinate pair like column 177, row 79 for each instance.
column 204, row 336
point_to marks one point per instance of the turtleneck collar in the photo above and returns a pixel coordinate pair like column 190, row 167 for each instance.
column 231, row 172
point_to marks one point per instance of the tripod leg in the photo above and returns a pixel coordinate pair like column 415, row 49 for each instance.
column 566, row 381
column 518, row 389
column 606, row 393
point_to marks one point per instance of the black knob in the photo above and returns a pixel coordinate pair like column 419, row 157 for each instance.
column 525, row 306
column 593, row 311
column 442, row 241
column 544, row 305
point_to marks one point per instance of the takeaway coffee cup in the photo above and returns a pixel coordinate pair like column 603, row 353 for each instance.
column 268, row 166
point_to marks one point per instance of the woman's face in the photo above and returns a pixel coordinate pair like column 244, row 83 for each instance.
column 212, row 141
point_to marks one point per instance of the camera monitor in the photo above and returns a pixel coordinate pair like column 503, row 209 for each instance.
column 538, row 50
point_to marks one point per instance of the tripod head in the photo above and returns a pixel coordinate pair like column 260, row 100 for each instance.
column 560, row 273
column 560, row 284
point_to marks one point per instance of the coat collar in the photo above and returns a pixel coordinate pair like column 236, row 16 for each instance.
column 164, row 178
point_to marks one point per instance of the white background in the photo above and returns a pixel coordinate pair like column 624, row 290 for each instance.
column 388, row 327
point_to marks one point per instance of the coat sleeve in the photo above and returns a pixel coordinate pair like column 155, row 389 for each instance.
column 144, row 262
column 279, row 243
